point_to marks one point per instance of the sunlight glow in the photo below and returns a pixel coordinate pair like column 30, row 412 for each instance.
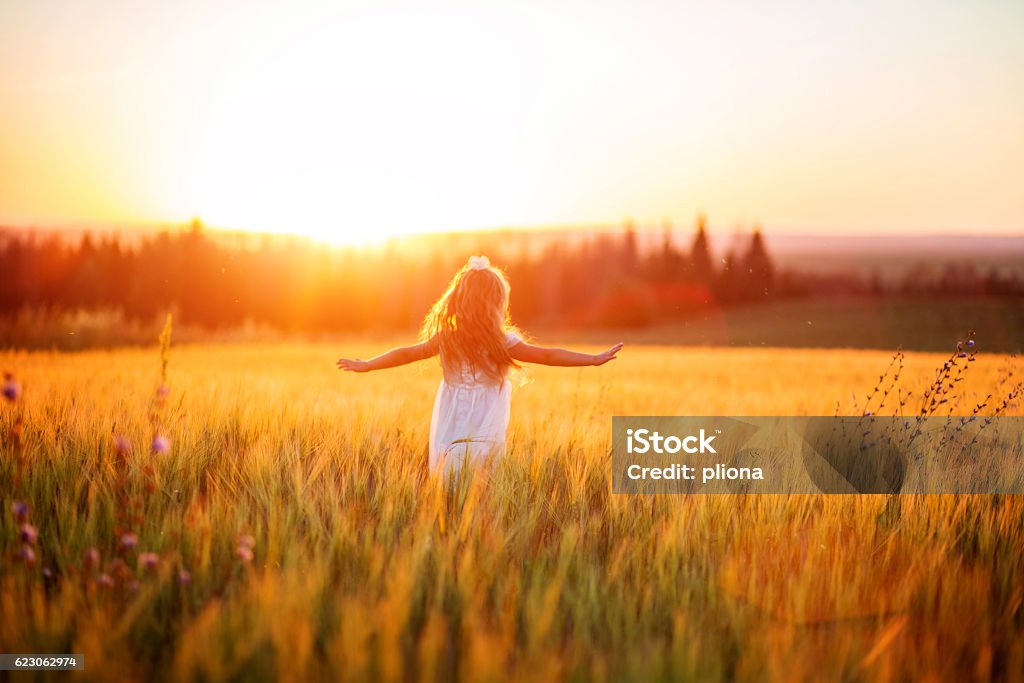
column 355, row 120
column 384, row 127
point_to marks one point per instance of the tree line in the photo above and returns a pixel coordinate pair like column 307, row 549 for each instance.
column 301, row 285
column 584, row 279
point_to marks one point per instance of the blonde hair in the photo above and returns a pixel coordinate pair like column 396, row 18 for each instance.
column 469, row 322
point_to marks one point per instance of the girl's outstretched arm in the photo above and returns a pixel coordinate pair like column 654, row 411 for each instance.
column 403, row 355
column 528, row 353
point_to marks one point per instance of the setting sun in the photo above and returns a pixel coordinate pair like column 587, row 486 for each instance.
column 376, row 125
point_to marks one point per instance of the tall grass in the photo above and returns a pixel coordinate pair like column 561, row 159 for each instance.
column 288, row 529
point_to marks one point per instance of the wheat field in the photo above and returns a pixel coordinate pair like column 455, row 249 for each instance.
column 283, row 527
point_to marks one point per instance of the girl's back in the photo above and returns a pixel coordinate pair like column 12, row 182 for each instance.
column 471, row 413
column 468, row 326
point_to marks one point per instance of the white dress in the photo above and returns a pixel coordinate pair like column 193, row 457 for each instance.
column 470, row 417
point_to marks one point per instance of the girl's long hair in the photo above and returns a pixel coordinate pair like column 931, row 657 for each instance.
column 468, row 323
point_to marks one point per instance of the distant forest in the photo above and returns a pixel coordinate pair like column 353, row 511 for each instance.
column 605, row 279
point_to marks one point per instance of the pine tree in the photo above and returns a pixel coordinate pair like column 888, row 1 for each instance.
column 701, row 268
column 758, row 272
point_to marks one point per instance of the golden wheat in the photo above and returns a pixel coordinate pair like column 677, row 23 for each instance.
column 296, row 534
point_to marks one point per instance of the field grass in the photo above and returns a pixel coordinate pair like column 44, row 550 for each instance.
column 296, row 534
column 911, row 323
column 845, row 322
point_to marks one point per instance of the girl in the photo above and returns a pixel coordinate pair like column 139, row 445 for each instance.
column 469, row 329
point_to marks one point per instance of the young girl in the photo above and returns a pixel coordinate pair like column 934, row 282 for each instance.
column 469, row 329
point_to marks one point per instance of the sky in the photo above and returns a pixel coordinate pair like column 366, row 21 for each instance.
column 349, row 120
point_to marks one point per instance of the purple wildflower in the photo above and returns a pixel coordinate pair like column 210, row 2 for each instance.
column 129, row 541
column 104, row 579
column 28, row 534
column 92, row 558
column 161, row 444
column 244, row 550
column 184, row 577
column 12, row 390
column 27, row 555
column 149, row 560
column 20, row 509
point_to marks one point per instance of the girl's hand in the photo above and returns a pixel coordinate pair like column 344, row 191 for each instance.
column 605, row 356
column 353, row 365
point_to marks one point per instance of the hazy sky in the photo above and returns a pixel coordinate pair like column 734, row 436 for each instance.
column 351, row 119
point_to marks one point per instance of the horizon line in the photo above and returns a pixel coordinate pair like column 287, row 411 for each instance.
column 746, row 227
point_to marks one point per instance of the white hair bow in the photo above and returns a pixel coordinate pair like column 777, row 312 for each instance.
column 479, row 262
